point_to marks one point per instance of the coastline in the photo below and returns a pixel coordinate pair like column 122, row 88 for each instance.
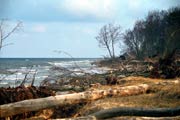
column 132, row 75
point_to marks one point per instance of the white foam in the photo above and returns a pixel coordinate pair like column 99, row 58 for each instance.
column 69, row 64
column 78, row 67
column 3, row 83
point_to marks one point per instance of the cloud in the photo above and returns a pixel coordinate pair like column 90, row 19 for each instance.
column 84, row 8
column 39, row 28
column 134, row 4
column 79, row 10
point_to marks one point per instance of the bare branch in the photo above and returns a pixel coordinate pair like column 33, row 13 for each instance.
column 25, row 77
column 3, row 35
column 108, row 36
column 34, row 77
column 13, row 30
column 7, row 44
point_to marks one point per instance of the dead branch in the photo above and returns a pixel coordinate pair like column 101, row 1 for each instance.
column 34, row 77
column 4, row 35
column 25, row 77
column 48, row 102
column 117, row 118
column 148, row 112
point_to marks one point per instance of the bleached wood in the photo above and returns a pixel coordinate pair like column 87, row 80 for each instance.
column 52, row 101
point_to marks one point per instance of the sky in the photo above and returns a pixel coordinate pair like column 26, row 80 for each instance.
column 69, row 25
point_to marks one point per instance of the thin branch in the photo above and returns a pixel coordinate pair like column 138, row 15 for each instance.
column 7, row 44
column 33, row 79
column 13, row 30
column 25, row 77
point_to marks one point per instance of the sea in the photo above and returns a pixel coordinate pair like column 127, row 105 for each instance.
column 14, row 70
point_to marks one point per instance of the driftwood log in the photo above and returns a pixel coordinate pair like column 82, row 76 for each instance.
column 156, row 113
column 48, row 102
column 147, row 112
column 116, row 118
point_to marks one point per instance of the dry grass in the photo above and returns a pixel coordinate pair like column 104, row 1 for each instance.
column 163, row 93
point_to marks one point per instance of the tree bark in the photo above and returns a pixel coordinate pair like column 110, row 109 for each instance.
column 123, row 111
column 48, row 102
column 78, row 118
column 113, row 48
column 118, row 118
column 110, row 54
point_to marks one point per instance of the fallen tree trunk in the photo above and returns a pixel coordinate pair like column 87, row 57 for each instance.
column 117, row 118
column 42, row 103
column 65, row 88
column 124, row 111
column 78, row 118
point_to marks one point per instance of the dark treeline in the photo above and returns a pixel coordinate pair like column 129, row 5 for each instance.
column 158, row 34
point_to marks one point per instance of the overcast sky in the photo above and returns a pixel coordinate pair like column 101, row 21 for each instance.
column 69, row 25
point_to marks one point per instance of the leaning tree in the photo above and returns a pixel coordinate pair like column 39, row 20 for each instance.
column 108, row 36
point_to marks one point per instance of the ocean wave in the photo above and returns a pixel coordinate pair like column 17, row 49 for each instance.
column 79, row 67
column 91, row 70
column 43, row 71
column 69, row 64
column 21, row 77
column 3, row 83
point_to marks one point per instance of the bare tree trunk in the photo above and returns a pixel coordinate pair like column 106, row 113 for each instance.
column 109, row 51
column 118, row 118
column 123, row 111
column 113, row 48
column 48, row 102
column 108, row 36
column 78, row 118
